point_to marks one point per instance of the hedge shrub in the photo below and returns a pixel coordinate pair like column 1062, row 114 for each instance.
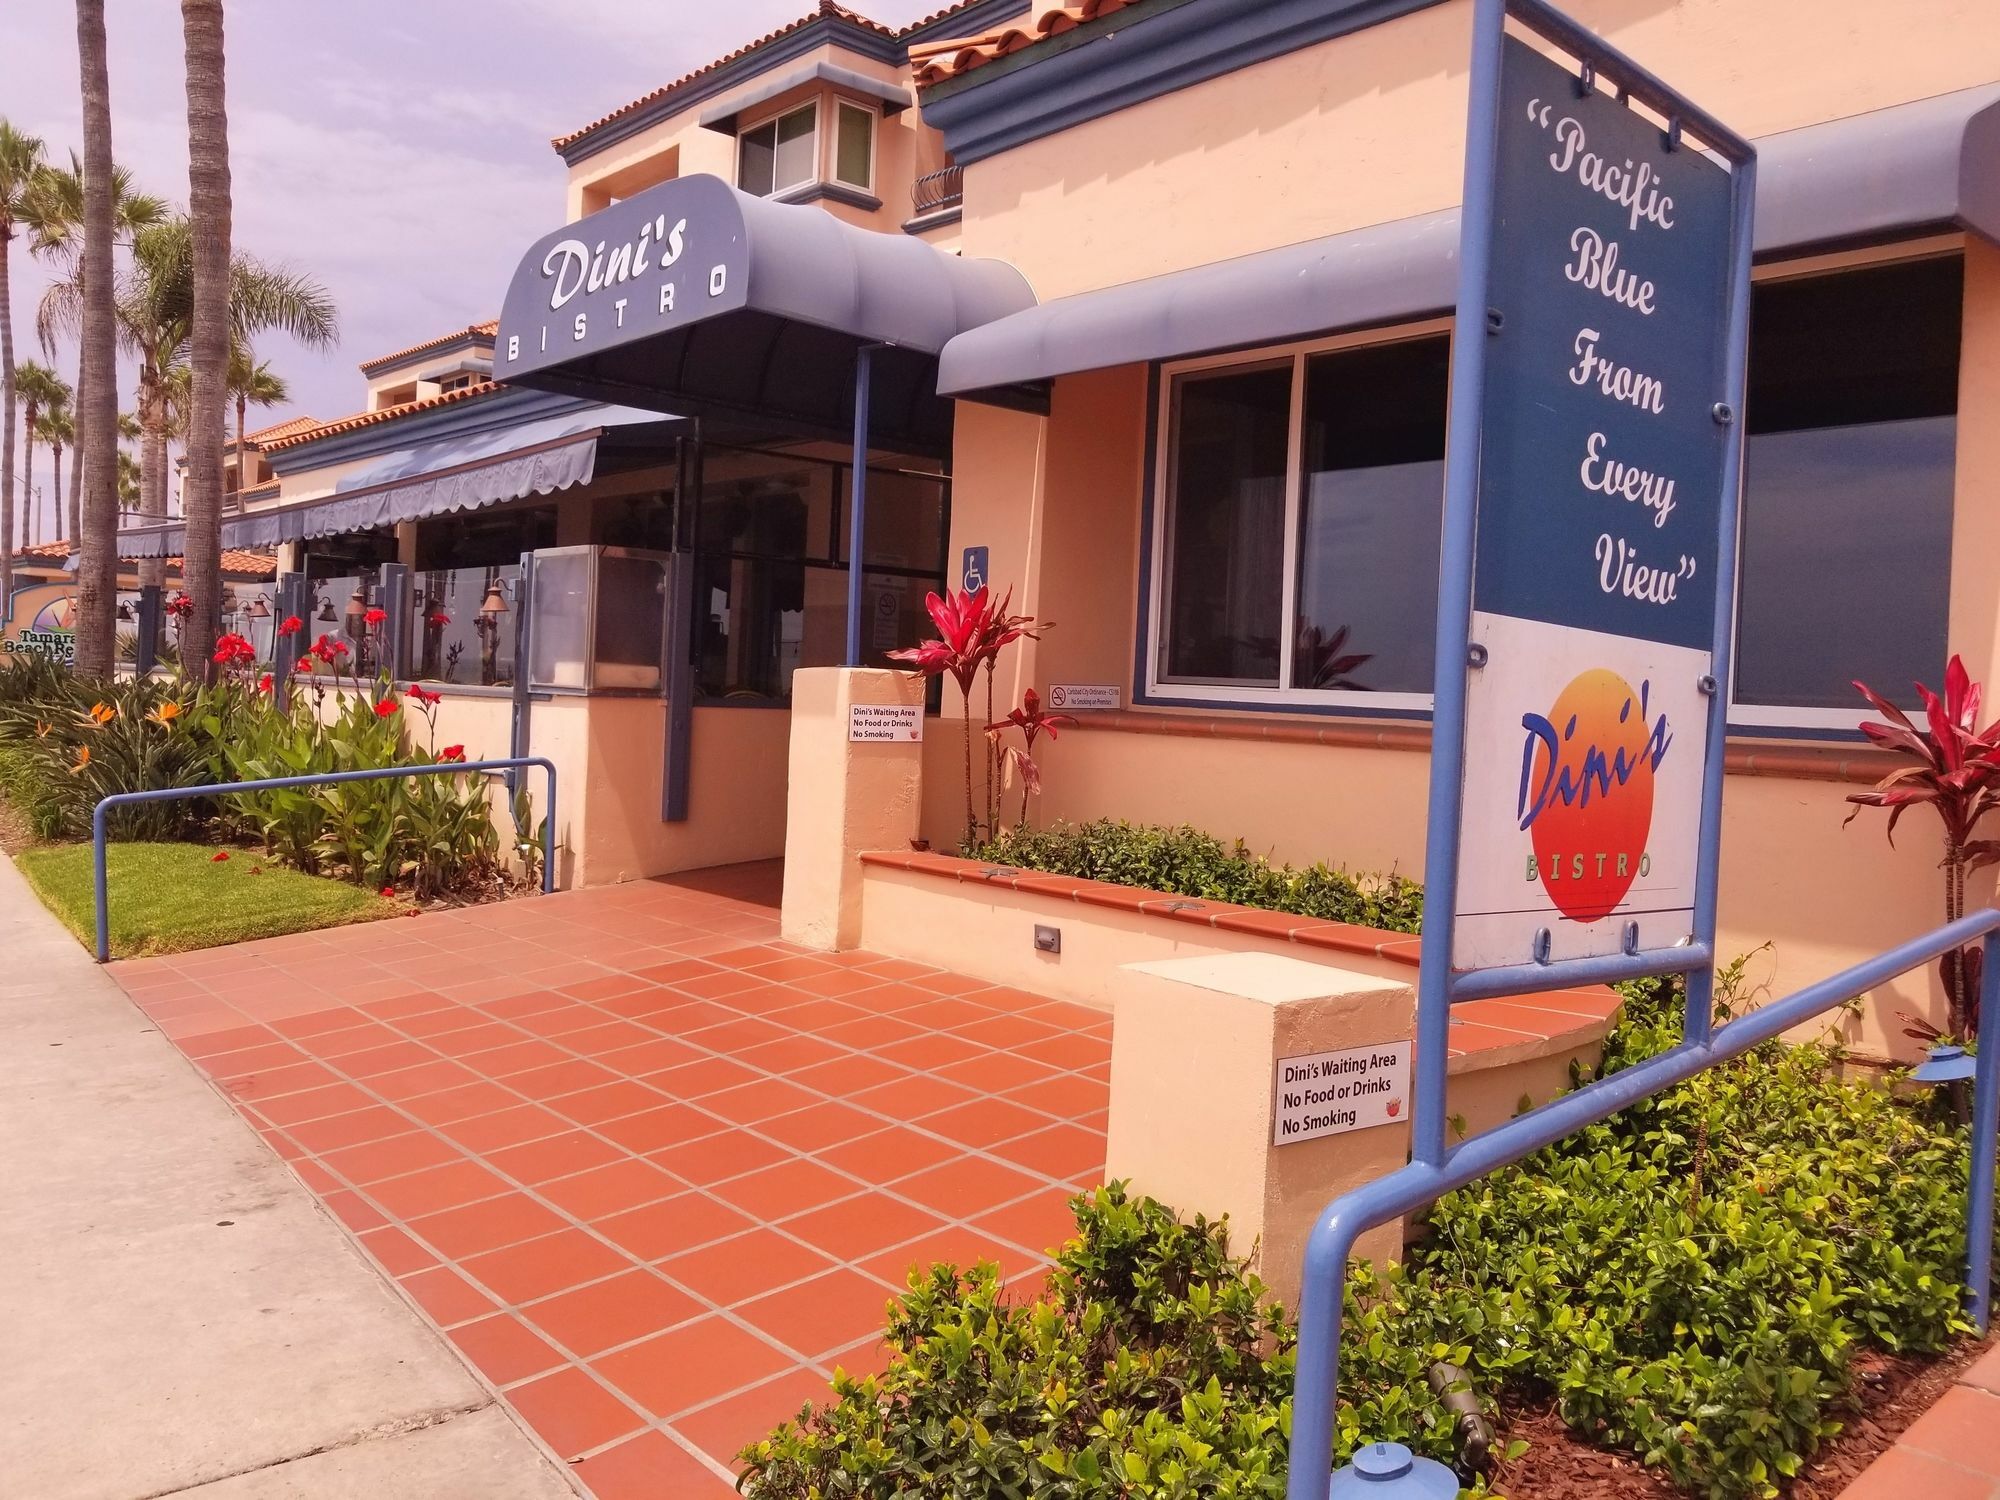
column 1187, row 862
column 1689, row 1281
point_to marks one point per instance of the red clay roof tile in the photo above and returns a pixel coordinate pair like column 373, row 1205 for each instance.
column 933, row 62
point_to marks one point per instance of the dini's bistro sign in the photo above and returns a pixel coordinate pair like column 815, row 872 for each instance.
column 1599, row 506
column 661, row 259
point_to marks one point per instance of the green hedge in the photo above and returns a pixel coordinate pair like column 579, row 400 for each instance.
column 1689, row 1281
column 1187, row 862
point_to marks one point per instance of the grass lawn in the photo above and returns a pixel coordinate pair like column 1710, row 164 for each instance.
column 170, row 898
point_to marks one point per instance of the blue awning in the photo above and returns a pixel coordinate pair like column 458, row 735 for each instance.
column 1929, row 165
column 430, row 479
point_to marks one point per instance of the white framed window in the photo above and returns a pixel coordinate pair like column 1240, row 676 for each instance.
column 1849, row 463
column 1295, row 553
column 854, row 145
column 779, row 153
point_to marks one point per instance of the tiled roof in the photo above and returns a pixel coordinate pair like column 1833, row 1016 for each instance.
column 386, row 414
column 824, row 8
column 471, row 331
column 281, row 429
column 58, row 553
column 933, row 62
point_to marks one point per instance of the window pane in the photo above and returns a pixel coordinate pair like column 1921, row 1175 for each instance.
column 1369, row 518
column 754, row 159
column 796, row 149
column 1847, row 485
column 1226, row 526
column 854, row 146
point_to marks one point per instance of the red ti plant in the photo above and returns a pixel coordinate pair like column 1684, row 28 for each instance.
column 1954, row 769
column 972, row 631
column 1033, row 721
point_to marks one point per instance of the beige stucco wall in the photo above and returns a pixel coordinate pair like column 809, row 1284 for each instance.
column 1370, row 126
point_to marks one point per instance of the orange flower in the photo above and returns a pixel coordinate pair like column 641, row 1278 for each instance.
column 82, row 760
column 102, row 714
column 165, row 714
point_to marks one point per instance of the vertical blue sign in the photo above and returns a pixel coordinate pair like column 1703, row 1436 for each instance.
column 972, row 574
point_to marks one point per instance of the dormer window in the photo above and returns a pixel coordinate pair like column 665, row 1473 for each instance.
column 781, row 153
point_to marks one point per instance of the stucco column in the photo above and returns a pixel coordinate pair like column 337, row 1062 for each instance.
column 855, row 784
column 1261, row 1087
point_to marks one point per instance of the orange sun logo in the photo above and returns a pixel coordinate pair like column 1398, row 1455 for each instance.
column 1586, row 801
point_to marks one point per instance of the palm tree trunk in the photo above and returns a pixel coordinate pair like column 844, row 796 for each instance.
column 27, row 471
column 242, row 475
column 209, row 212
column 75, row 531
column 152, row 466
column 6, row 426
column 97, row 574
column 55, row 453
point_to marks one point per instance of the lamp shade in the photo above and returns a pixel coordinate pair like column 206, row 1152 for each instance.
column 1946, row 1064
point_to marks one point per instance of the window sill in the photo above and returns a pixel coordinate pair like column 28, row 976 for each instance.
column 837, row 192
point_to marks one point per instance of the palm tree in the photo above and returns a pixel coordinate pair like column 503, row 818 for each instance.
column 252, row 384
column 128, row 481
column 38, row 388
column 97, row 575
column 209, row 339
column 57, row 431
column 53, row 212
column 20, row 160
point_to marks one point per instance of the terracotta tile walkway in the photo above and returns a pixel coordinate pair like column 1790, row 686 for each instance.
column 654, row 1172
column 1951, row 1452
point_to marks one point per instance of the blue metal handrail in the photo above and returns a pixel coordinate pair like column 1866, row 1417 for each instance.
column 1420, row 1183
column 283, row 783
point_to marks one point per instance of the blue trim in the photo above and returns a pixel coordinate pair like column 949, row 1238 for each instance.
column 506, row 406
column 837, row 192
column 814, row 34
column 964, row 20
column 1147, row 506
column 1163, row 45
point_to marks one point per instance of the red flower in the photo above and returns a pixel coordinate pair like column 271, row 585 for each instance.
column 218, row 857
column 423, row 694
column 388, row 893
column 329, row 650
column 375, row 617
column 1031, row 720
column 437, row 619
column 303, row 666
column 971, row 629
column 180, row 606
column 386, row 708
column 453, row 753
column 233, row 650
column 292, row 625
column 264, row 683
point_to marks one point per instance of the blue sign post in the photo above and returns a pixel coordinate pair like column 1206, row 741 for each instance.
column 1585, row 602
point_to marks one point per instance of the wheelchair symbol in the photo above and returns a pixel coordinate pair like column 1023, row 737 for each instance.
column 973, row 570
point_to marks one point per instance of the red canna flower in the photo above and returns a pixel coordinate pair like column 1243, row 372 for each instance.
column 386, row 708
column 233, row 650
column 452, row 753
column 180, row 606
column 264, row 683
column 292, row 625
column 218, row 857
column 375, row 617
column 388, row 893
column 423, row 694
column 437, row 619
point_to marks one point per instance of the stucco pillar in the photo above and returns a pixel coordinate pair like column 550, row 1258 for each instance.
column 1209, row 1054
column 855, row 784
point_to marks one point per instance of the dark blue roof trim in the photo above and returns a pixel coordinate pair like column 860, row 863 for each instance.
column 814, row 34
column 966, row 20
column 1162, row 45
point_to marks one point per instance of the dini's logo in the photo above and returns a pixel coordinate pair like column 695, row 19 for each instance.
column 1586, row 797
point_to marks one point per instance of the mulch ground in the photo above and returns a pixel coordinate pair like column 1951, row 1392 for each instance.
column 1892, row 1392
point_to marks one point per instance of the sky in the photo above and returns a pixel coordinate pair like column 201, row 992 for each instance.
column 397, row 150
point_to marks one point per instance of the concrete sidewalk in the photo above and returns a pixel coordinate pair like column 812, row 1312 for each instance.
column 181, row 1317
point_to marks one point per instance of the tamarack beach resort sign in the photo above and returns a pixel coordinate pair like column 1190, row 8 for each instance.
column 1599, row 501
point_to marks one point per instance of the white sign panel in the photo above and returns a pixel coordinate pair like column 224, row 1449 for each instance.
column 884, row 723
column 1330, row 1093
column 1582, row 773
column 1070, row 697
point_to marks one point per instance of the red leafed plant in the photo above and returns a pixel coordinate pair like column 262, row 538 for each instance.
column 972, row 631
column 1954, row 769
column 1033, row 721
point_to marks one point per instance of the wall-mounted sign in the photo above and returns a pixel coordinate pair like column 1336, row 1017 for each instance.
column 885, row 616
column 885, row 723
column 1601, row 465
column 671, row 255
column 1329, row 1093
column 40, row 620
column 1074, row 697
column 973, row 574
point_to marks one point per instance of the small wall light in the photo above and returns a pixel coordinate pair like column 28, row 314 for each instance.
column 1946, row 1064
column 1389, row 1471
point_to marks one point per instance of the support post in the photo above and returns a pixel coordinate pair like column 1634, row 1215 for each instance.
column 395, row 587
column 1985, row 1140
column 294, row 603
column 151, row 611
column 678, row 676
column 517, row 737
column 857, row 519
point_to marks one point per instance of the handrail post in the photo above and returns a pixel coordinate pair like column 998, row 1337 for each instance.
column 1985, row 1139
column 100, row 880
column 549, row 833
